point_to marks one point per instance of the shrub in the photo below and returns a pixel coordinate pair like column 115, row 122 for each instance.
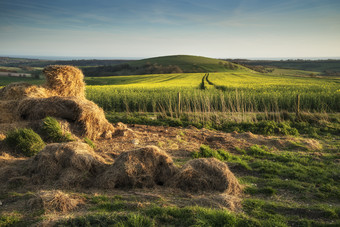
column 25, row 141
column 53, row 130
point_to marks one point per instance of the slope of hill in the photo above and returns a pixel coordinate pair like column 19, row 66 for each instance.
column 189, row 63
column 166, row 64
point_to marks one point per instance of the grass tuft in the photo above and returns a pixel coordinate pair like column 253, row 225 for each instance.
column 25, row 141
column 52, row 128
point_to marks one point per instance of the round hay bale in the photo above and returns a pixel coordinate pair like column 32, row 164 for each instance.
column 20, row 90
column 54, row 201
column 85, row 113
column 206, row 174
column 65, row 80
column 144, row 167
column 66, row 164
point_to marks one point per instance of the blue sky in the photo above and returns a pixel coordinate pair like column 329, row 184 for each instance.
column 138, row 29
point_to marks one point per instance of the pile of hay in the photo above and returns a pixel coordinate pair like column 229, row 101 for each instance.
column 72, row 164
column 62, row 96
column 144, row 167
column 54, row 201
column 64, row 81
column 21, row 90
column 86, row 114
column 206, row 174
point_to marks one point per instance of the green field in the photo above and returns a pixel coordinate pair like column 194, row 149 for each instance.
column 235, row 91
column 292, row 180
column 232, row 92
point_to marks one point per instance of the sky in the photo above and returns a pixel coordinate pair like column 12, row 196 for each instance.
column 150, row 28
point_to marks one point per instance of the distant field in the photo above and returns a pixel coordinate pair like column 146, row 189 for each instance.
column 237, row 91
column 232, row 91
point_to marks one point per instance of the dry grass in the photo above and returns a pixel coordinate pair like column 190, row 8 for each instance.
column 62, row 96
column 65, row 81
column 55, row 201
column 206, row 174
column 20, row 90
column 90, row 118
column 144, row 167
column 70, row 164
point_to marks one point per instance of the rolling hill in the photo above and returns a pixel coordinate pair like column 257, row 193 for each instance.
column 166, row 64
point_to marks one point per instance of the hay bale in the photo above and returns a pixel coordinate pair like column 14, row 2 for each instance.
column 90, row 118
column 144, row 167
column 206, row 174
column 20, row 90
column 65, row 164
column 8, row 111
column 65, row 81
column 54, row 201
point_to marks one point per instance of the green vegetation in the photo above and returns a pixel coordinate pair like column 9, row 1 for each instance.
column 9, row 220
column 52, row 129
column 25, row 141
column 235, row 92
column 5, row 80
column 325, row 67
column 89, row 142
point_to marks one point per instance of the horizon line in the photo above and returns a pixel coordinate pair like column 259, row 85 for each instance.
column 61, row 58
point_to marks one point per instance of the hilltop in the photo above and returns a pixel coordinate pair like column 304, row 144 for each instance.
column 165, row 64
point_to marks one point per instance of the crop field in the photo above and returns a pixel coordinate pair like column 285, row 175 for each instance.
column 239, row 91
column 277, row 132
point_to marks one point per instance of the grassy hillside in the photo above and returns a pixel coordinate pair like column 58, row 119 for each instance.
column 189, row 63
column 325, row 67
column 165, row 65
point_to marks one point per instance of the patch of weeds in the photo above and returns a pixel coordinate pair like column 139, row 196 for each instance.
column 99, row 198
column 137, row 220
column 191, row 216
column 222, row 155
column 296, row 145
column 265, row 190
column 89, row 142
column 52, row 129
column 262, row 127
column 25, row 141
column 259, row 151
column 261, row 208
column 109, row 219
column 110, row 206
column 9, row 220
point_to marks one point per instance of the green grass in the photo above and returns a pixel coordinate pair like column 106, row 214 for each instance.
column 235, row 92
column 190, row 63
column 5, row 80
column 9, row 220
column 53, row 132
column 25, row 141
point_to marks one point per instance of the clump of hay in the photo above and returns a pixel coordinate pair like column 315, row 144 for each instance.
column 62, row 96
column 144, row 167
column 85, row 113
column 55, row 201
column 8, row 113
column 65, row 164
column 20, row 90
column 64, row 80
column 206, row 174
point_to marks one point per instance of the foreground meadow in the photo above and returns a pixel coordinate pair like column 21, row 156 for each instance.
column 279, row 135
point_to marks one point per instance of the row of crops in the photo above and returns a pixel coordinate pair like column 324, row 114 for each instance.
column 227, row 92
